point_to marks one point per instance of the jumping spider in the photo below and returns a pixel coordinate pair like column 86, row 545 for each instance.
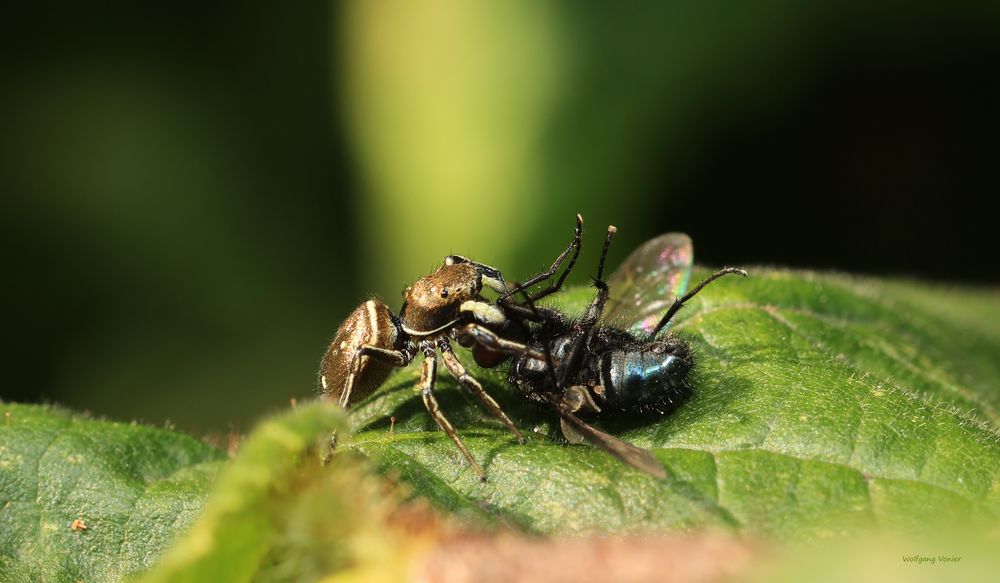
column 443, row 306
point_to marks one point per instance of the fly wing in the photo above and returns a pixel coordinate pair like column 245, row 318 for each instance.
column 644, row 286
column 638, row 458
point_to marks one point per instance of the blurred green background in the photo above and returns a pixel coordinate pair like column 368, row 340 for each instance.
column 196, row 194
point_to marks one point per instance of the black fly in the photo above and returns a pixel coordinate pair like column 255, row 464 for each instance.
column 586, row 366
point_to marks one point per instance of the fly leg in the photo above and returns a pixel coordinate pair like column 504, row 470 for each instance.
column 574, row 248
column 679, row 302
column 592, row 314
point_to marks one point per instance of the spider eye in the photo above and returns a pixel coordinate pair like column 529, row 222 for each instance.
column 444, row 293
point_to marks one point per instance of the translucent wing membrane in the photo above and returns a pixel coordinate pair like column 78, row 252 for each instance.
column 649, row 280
column 636, row 457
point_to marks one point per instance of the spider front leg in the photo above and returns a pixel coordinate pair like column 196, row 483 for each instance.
column 478, row 334
column 497, row 314
column 458, row 371
column 427, row 377
column 491, row 276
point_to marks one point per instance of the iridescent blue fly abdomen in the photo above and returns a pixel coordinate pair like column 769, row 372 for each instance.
column 651, row 376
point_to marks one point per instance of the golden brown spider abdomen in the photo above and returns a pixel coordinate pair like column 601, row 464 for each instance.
column 370, row 324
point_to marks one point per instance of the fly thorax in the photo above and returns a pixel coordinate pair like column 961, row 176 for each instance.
column 532, row 374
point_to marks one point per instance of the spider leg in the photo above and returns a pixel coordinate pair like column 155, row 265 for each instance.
column 397, row 358
column 427, row 377
column 483, row 336
column 539, row 314
column 458, row 371
column 491, row 275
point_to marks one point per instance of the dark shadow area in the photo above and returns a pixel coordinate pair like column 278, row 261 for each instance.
column 885, row 164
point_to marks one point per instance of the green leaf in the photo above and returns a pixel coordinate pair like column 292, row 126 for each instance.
column 133, row 486
column 824, row 405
